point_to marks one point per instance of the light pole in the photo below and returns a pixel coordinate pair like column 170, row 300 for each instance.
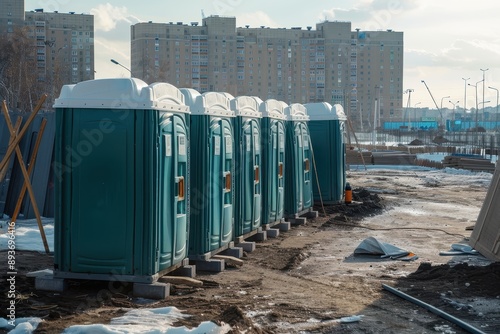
column 483, row 88
column 475, row 86
column 409, row 91
column 465, row 94
column 441, row 109
column 483, row 103
column 415, row 114
column 496, row 113
column 117, row 63
column 453, row 118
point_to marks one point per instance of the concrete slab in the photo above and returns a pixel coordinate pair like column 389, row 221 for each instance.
column 311, row 214
column 247, row 246
column 259, row 236
column 284, row 226
column 297, row 221
column 155, row 290
column 273, row 233
column 236, row 252
column 49, row 283
column 186, row 271
column 212, row 265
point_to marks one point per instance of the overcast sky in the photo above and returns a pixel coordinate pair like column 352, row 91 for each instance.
column 445, row 41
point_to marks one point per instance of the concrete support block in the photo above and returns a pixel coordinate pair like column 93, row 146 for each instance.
column 155, row 290
column 284, row 226
column 273, row 233
column 297, row 221
column 260, row 236
column 247, row 246
column 312, row 214
column 236, row 252
column 49, row 283
column 212, row 265
column 186, row 271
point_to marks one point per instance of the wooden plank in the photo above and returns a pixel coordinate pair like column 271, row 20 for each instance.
column 181, row 280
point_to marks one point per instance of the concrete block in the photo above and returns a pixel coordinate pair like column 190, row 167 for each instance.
column 284, row 226
column 260, row 236
column 273, row 233
column 186, row 271
column 297, row 221
column 155, row 290
column 312, row 214
column 236, row 252
column 49, row 283
column 247, row 246
column 212, row 265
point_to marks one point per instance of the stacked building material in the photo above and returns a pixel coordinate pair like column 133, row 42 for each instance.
column 470, row 163
column 356, row 157
column 393, row 158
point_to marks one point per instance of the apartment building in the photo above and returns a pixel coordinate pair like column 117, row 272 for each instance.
column 11, row 15
column 64, row 46
column 362, row 70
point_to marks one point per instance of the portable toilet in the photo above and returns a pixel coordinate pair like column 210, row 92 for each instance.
column 273, row 161
column 121, row 180
column 248, row 164
column 327, row 129
column 212, row 172
column 298, row 173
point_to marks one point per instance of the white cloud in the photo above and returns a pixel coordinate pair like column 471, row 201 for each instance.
column 106, row 16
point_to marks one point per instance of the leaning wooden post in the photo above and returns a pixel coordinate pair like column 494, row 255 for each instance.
column 19, row 121
column 26, row 177
column 16, row 141
column 31, row 165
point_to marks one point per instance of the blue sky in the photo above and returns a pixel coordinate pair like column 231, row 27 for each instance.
column 445, row 40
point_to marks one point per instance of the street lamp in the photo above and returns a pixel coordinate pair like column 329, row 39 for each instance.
column 409, row 91
column 475, row 86
column 117, row 63
column 441, row 109
column 415, row 113
column 483, row 87
column 453, row 118
column 465, row 94
column 496, row 114
column 483, row 103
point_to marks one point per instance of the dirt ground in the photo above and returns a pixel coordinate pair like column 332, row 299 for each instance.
column 307, row 278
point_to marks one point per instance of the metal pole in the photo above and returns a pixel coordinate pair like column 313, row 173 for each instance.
column 465, row 95
column 496, row 114
column 442, row 314
column 483, row 89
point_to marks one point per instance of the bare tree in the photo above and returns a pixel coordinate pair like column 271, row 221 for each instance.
column 20, row 84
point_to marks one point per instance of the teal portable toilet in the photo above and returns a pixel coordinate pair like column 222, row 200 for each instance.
column 121, row 180
column 298, row 172
column 212, row 172
column 273, row 161
column 248, row 164
column 327, row 129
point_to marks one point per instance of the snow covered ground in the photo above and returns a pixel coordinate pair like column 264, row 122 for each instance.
column 160, row 320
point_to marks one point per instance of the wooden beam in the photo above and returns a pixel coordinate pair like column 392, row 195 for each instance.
column 26, row 178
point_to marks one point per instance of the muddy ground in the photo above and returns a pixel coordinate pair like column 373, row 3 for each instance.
column 307, row 278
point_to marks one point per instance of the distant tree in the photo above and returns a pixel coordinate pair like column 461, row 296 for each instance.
column 20, row 86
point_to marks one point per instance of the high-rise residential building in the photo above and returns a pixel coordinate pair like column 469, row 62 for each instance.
column 11, row 15
column 362, row 70
column 64, row 47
